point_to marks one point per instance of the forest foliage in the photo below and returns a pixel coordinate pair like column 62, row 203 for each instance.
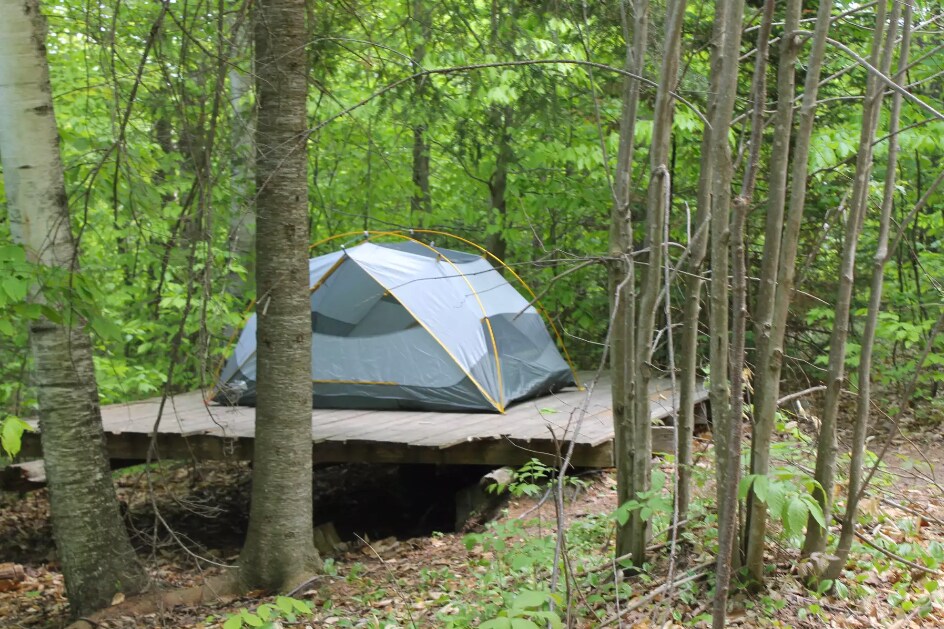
column 499, row 123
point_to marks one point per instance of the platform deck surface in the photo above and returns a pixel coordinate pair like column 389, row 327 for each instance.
column 190, row 428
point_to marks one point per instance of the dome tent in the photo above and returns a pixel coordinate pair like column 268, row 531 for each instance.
column 406, row 325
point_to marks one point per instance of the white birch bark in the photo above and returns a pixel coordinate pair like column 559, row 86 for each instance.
column 93, row 546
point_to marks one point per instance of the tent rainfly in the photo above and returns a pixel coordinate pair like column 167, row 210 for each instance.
column 409, row 326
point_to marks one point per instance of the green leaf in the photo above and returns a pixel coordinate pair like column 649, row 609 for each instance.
column 622, row 514
column 15, row 288
column 524, row 623
column 797, row 511
column 302, row 607
column 285, row 604
column 11, row 434
column 6, row 328
column 658, row 481
column 13, row 253
column 549, row 617
column 761, row 485
column 745, row 486
column 233, row 622
column 497, row 623
column 250, row 619
column 776, row 495
column 265, row 611
column 530, row 599
column 815, row 510
column 105, row 328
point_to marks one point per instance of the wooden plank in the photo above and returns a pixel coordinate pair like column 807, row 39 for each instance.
column 191, row 428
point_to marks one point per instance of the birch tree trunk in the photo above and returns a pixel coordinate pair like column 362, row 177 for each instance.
column 772, row 323
column 279, row 552
column 863, row 400
column 825, row 472
column 622, row 281
column 93, row 546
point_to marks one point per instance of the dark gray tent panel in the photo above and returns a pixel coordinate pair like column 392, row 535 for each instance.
column 409, row 326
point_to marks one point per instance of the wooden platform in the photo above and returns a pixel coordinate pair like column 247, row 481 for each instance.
column 189, row 428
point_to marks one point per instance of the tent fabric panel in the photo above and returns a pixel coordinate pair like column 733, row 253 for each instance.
column 239, row 389
column 317, row 267
column 386, row 317
column 244, row 353
column 410, row 357
column 496, row 294
column 347, row 294
column 415, row 248
column 407, row 326
column 531, row 364
column 323, row 324
column 459, row 396
column 449, row 310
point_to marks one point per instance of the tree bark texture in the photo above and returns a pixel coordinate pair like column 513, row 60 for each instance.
column 651, row 276
column 770, row 345
column 691, row 314
column 765, row 390
column 622, row 285
column 242, row 217
column 863, row 399
column 729, row 480
column 279, row 552
column 826, row 453
column 725, row 59
column 93, row 546
column 420, row 201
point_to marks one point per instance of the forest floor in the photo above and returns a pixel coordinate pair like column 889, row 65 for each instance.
column 458, row 580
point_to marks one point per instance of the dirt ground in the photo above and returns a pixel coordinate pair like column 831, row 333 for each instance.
column 400, row 572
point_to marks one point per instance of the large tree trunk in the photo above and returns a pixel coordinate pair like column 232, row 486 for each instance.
column 622, row 289
column 279, row 551
column 93, row 545
column 772, row 324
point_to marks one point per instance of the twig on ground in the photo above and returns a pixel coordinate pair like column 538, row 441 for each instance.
column 393, row 580
column 695, row 573
column 914, row 566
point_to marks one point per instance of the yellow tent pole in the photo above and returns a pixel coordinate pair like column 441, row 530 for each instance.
column 371, row 234
column 488, row 324
column 481, row 389
column 534, row 297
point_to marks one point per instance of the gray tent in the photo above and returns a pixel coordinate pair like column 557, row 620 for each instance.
column 409, row 326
